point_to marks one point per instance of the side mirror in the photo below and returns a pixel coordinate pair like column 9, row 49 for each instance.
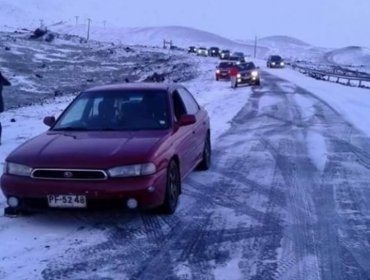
column 187, row 120
column 49, row 121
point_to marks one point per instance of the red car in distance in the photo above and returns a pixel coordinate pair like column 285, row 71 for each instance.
column 126, row 145
column 222, row 70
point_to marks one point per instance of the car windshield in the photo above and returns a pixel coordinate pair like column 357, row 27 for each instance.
column 276, row 58
column 246, row 66
column 117, row 110
column 225, row 65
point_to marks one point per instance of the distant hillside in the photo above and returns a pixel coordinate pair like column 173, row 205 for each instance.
column 31, row 13
column 181, row 36
column 282, row 41
column 292, row 48
column 354, row 56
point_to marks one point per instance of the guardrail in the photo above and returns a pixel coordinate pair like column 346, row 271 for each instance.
column 335, row 74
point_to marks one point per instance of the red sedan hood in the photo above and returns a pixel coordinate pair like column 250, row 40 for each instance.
column 88, row 149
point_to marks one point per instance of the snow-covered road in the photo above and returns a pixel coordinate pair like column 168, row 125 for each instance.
column 287, row 198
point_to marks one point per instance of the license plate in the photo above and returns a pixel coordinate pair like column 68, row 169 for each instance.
column 67, row 201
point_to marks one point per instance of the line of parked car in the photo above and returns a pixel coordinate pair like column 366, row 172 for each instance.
column 217, row 52
column 234, row 67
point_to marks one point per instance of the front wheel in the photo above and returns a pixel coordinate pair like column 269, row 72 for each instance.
column 205, row 164
column 173, row 186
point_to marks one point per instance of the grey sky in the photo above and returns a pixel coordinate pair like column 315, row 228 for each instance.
column 332, row 23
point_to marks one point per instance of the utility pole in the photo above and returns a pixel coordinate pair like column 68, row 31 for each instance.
column 41, row 23
column 104, row 23
column 76, row 20
column 255, row 46
column 88, row 29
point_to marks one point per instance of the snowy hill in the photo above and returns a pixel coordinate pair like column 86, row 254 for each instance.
column 60, row 16
column 282, row 42
column 291, row 48
column 181, row 36
column 109, row 23
column 354, row 56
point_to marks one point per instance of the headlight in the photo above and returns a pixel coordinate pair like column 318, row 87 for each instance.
column 239, row 75
column 218, row 71
column 254, row 73
column 17, row 169
column 133, row 170
column 282, row 63
column 272, row 63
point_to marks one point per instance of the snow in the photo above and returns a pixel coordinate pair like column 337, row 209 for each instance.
column 352, row 56
column 229, row 271
column 351, row 102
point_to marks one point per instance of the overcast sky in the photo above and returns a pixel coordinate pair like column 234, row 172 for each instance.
column 328, row 23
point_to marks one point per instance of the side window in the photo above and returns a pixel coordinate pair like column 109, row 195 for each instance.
column 191, row 105
column 178, row 104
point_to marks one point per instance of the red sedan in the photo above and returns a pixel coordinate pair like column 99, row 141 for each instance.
column 222, row 70
column 127, row 145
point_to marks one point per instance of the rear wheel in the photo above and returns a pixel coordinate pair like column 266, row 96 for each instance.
column 173, row 186
column 205, row 164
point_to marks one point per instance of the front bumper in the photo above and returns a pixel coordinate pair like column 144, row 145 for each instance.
column 277, row 66
column 222, row 76
column 248, row 80
column 32, row 193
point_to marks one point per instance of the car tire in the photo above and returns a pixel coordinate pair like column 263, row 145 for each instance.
column 205, row 164
column 173, row 187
